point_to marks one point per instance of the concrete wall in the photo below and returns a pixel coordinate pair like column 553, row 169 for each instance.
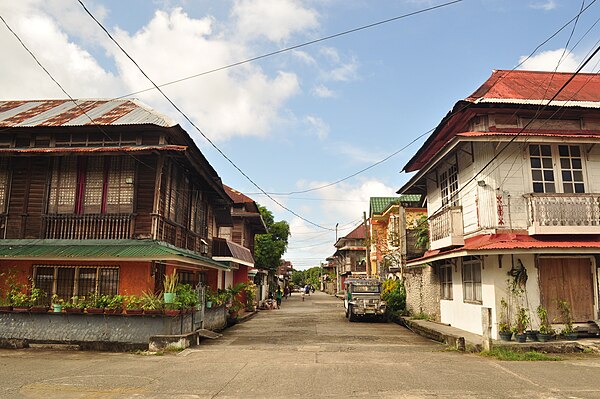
column 102, row 331
column 422, row 291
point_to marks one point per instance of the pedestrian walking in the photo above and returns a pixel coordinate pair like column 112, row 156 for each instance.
column 278, row 296
column 307, row 289
column 286, row 291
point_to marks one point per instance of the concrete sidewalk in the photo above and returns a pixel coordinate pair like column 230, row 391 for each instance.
column 466, row 341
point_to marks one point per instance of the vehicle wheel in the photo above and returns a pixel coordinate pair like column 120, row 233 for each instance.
column 383, row 318
column 346, row 312
column 351, row 316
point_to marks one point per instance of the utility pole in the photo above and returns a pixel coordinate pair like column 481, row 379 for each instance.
column 368, row 244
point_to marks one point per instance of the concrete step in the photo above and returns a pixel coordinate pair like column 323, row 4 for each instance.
column 208, row 334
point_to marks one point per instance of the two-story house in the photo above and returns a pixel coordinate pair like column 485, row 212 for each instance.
column 512, row 182
column 105, row 196
column 235, row 244
column 391, row 223
column 350, row 255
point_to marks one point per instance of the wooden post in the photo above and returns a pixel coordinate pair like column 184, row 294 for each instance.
column 486, row 322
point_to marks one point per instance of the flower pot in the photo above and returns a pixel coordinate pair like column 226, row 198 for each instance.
column 113, row 311
column 94, row 310
column 6, row 308
column 172, row 312
column 208, row 304
column 571, row 336
column 74, row 310
column 521, row 337
column 20, row 309
column 505, row 335
column 543, row 337
column 169, row 297
column 57, row 308
column 153, row 311
column 39, row 309
column 532, row 335
column 134, row 311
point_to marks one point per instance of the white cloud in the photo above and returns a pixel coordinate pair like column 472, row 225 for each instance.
column 275, row 20
column 317, row 126
column 548, row 61
column 72, row 66
column 340, row 71
column 358, row 154
column 323, row 91
column 304, row 57
column 548, row 5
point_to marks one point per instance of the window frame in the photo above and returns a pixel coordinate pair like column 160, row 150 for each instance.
column 55, row 281
column 448, row 180
column 472, row 288
column 557, row 168
column 446, row 282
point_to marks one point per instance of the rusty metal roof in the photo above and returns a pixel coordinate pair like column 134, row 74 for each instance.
column 61, row 150
column 102, row 112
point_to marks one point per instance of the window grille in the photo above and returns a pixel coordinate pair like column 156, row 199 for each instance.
column 3, row 183
column 69, row 281
column 449, row 186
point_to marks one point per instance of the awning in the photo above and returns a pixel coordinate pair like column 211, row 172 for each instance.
column 102, row 250
column 497, row 244
column 229, row 251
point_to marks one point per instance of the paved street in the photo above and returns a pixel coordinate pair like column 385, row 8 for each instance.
column 306, row 349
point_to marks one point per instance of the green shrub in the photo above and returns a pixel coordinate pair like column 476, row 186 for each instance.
column 394, row 294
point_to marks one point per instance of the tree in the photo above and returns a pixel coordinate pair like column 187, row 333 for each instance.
column 298, row 277
column 313, row 276
column 268, row 248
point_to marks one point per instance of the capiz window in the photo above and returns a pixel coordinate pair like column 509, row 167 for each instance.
column 69, row 281
column 446, row 281
column 471, row 276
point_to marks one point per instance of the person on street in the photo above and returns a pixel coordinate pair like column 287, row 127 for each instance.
column 307, row 289
column 278, row 296
column 286, row 291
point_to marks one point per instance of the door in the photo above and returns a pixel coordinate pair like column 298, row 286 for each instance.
column 568, row 279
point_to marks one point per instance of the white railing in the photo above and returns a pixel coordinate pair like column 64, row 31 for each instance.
column 563, row 213
column 446, row 228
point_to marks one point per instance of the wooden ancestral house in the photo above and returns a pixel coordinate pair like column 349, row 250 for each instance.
column 512, row 182
column 350, row 256
column 107, row 196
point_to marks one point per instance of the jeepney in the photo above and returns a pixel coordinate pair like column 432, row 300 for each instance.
column 363, row 299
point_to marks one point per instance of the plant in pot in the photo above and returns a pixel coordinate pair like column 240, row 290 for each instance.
column 567, row 319
column 96, row 303
column 521, row 324
column 250, row 296
column 133, row 304
column 170, row 285
column 20, row 302
column 37, row 300
column 504, row 329
column 151, row 303
column 5, row 305
column 209, row 298
column 545, row 332
column 75, row 305
column 114, row 304
column 57, row 303
column 186, row 298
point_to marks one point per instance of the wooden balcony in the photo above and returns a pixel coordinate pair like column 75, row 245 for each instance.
column 563, row 213
column 88, row 226
column 446, row 228
column 180, row 236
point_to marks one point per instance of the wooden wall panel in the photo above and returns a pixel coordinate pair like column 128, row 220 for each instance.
column 16, row 202
column 36, row 198
column 146, row 180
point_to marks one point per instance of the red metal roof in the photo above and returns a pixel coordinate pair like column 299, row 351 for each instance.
column 511, row 87
column 59, row 150
column 79, row 112
column 357, row 233
column 500, row 242
column 587, row 134
column 538, row 85
column 236, row 196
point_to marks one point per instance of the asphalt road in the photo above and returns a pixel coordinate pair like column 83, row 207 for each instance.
column 306, row 349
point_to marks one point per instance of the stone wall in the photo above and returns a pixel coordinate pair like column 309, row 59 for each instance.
column 215, row 319
column 422, row 291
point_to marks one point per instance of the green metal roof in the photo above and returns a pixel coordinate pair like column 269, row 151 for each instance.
column 101, row 250
column 379, row 204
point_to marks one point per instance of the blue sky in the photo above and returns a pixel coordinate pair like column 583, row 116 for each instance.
column 304, row 118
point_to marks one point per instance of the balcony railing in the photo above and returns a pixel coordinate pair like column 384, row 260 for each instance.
column 180, row 236
column 563, row 213
column 446, row 228
column 88, row 227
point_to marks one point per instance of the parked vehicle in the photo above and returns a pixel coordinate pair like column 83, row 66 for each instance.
column 363, row 299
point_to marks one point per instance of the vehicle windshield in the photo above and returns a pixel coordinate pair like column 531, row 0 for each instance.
column 366, row 288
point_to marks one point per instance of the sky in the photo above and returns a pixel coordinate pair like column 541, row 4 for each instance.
column 300, row 120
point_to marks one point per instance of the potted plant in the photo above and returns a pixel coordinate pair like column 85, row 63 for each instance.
column 57, row 303
column 209, row 298
column 5, row 305
column 151, row 303
column 96, row 303
column 37, row 301
column 186, row 298
column 545, row 332
column 565, row 312
column 504, row 329
column 75, row 305
column 521, row 324
column 133, row 304
column 114, row 304
column 250, row 296
column 20, row 302
column 170, row 286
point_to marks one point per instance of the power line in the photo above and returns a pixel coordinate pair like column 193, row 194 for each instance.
column 196, row 127
column 297, row 46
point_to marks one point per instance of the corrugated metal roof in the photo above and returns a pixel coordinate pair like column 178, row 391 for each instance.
column 59, row 150
column 377, row 205
column 68, row 113
column 101, row 250
column 584, row 134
